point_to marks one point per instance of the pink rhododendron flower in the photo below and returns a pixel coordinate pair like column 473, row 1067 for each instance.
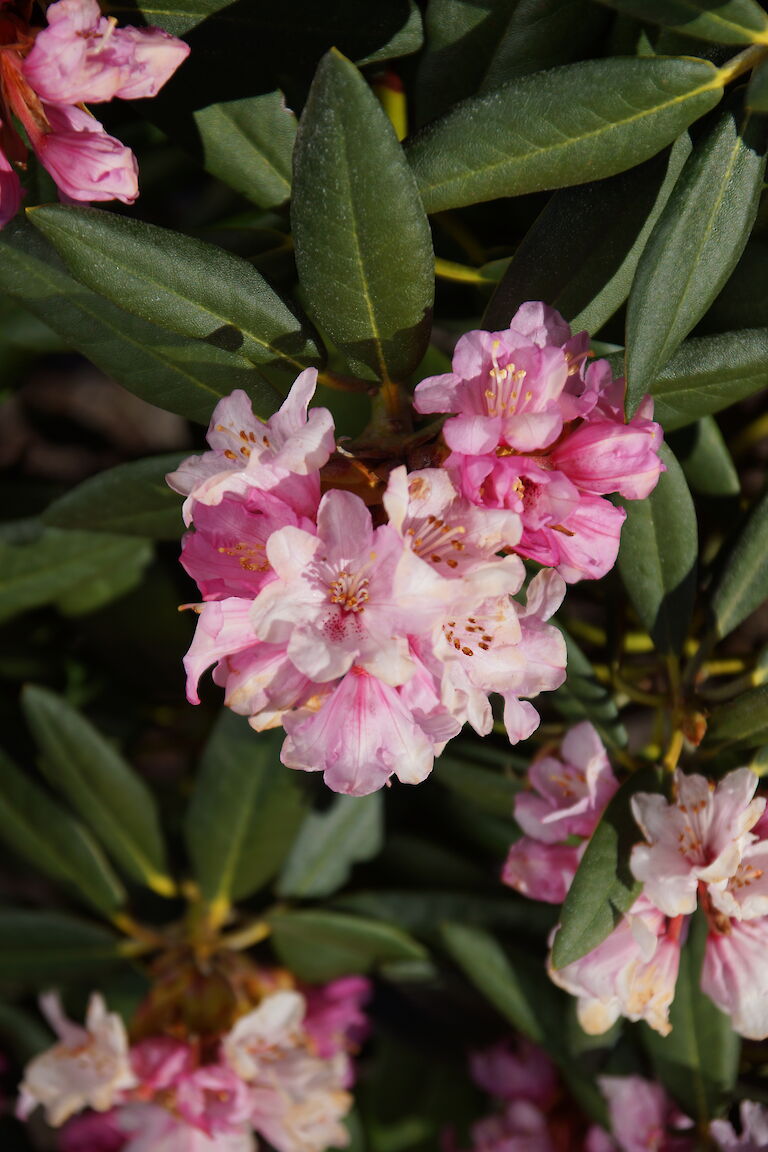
column 541, row 871
column 538, row 433
column 643, row 1118
column 335, row 1021
column 151, row 1128
column 93, row 1132
column 734, row 974
column 516, row 1071
column 700, row 838
column 86, row 163
column 754, row 1130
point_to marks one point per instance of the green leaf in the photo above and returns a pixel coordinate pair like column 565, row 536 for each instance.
column 581, row 697
column 658, row 554
column 743, row 302
column 757, row 89
column 699, row 1060
column 320, row 945
column 40, row 948
column 709, row 373
column 330, row 843
column 741, row 721
column 423, row 912
column 694, row 246
column 724, row 22
column 491, row 792
column 131, row 499
column 743, row 583
column 184, row 376
column 249, row 144
column 363, row 244
column 106, row 793
column 705, row 459
column 568, row 126
column 60, row 563
column 185, row 285
column 40, row 830
column 244, row 812
column 603, row 888
column 581, row 252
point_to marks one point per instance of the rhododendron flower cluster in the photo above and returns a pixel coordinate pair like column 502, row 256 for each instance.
column 48, row 74
column 371, row 641
column 537, row 431
column 282, row 1071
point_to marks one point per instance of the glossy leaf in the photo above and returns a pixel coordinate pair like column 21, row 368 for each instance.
column 743, row 720
column 186, row 285
column 244, row 812
column 249, row 144
column 59, row 564
column 320, row 945
column 581, row 252
column 705, row 459
column 699, row 1060
column 582, row 697
column 38, row 949
column 330, row 843
column 181, row 375
column 40, row 830
column 567, row 126
column 603, row 888
column 743, row 583
column 363, row 245
column 106, row 793
column 694, row 246
column 658, row 555
column 757, row 89
column 131, row 499
column 724, row 22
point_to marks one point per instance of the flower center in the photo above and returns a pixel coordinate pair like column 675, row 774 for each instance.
column 468, row 636
column 349, row 590
column 436, row 538
column 251, row 557
column 501, row 395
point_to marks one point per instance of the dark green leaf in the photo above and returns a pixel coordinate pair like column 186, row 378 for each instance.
column 743, row 583
column 568, row 126
column 757, row 89
column 244, row 812
column 319, row 945
column 743, row 302
column 363, row 245
column 185, row 285
column 743, row 720
column 699, row 1059
column 658, row 554
column 725, row 22
column 705, row 459
column 581, row 253
column 581, row 697
column 707, row 374
column 131, row 499
column 491, row 792
column 60, row 564
column 39, row 829
column 40, row 948
column 180, row 375
column 106, row 793
column 330, row 843
column 423, row 912
column 23, row 1035
column 249, row 144
column 694, row 246
column 603, row 888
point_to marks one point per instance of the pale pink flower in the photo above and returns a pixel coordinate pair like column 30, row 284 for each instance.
column 521, row 1127
column 213, row 1099
column 632, row 973
column 82, row 57
column 88, row 1068
column 152, row 1128
column 541, row 871
column 160, row 1063
column 643, row 1118
column 700, row 838
column 754, row 1130
column 516, row 1070
column 734, row 974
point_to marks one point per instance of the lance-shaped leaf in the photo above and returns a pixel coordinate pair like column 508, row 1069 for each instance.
column 581, row 252
column 658, row 554
column 567, row 126
column 40, row 830
column 757, row 89
column 695, row 245
column 185, row 285
column 705, row 459
column 38, row 949
column 424, row 912
column 363, row 245
column 743, row 583
column 105, row 791
column 482, row 788
column 603, row 888
column 709, row 373
column 581, row 697
column 244, row 812
column 698, row 1061
column 131, row 500
column 249, row 144
column 181, row 375
column 330, row 843
column 319, row 945
column 743, row 720
column 722, row 21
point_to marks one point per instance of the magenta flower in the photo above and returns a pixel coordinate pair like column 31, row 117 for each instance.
column 335, row 1020
column 516, row 1071
column 643, row 1118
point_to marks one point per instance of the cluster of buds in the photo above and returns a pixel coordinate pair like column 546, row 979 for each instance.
column 281, row 1070
column 373, row 632
column 48, row 74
